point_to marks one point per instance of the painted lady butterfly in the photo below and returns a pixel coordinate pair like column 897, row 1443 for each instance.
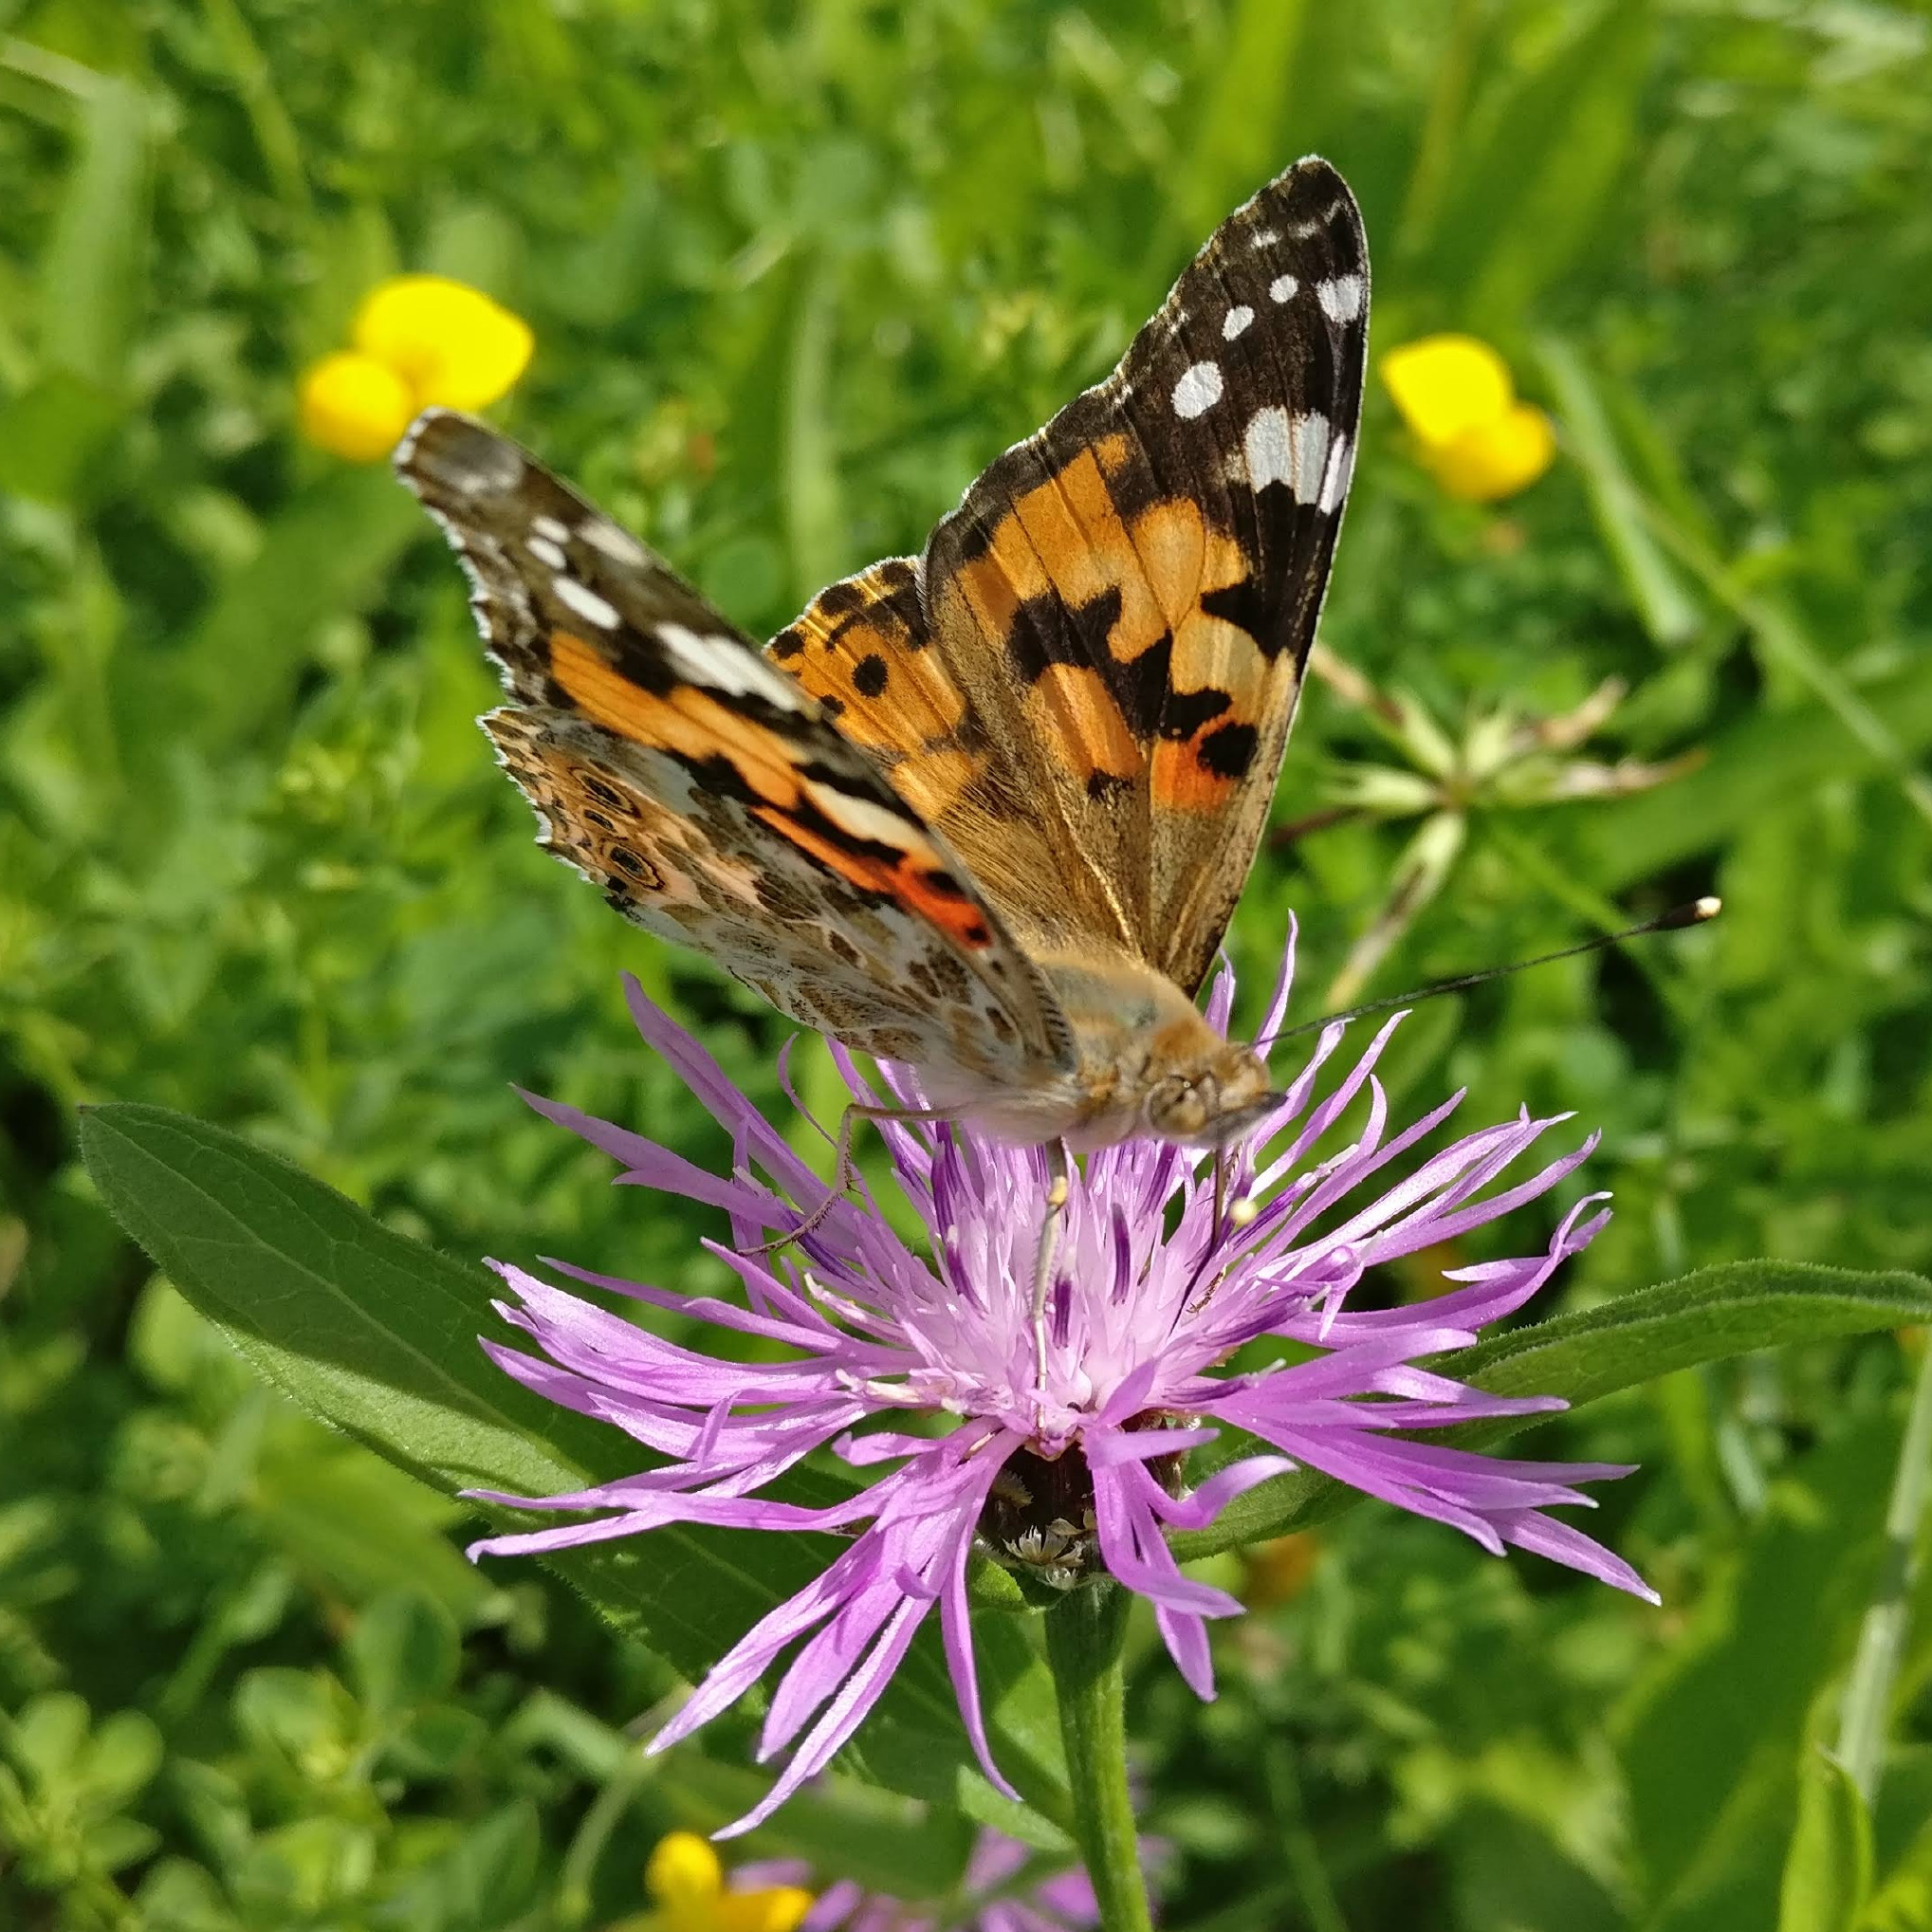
column 987, row 810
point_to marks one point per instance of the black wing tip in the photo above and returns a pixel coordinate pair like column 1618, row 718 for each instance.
column 447, row 454
column 1316, row 179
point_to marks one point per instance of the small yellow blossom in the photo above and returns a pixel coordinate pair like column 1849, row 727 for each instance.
column 454, row 346
column 353, row 406
column 1472, row 434
column 687, row 1882
column 418, row 340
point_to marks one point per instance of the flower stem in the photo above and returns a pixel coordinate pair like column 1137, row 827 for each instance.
column 1866, row 1715
column 1084, row 1635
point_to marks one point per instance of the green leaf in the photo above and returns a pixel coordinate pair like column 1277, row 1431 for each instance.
column 1521, row 202
column 1707, row 1316
column 324, row 556
column 1763, row 762
column 402, row 1653
column 376, row 1335
column 1240, row 126
column 1710, row 1738
column 50, row 434
column 1668, row 611
column 1827, row 1872
column 91, row 273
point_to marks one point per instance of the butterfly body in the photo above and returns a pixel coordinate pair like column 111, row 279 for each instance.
column 987, row 810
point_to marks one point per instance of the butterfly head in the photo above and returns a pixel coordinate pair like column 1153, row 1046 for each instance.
column 1211, row 1102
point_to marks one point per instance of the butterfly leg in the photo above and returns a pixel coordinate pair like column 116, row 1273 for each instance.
column 1049, row 1242
column 844, row 1170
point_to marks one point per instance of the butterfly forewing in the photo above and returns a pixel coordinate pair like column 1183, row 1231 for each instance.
column 711, row 798
column 1086, row 682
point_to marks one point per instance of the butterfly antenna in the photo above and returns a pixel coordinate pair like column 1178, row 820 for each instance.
column 1675, row 920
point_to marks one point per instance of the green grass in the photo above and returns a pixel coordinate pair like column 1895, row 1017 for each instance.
column 795, row 275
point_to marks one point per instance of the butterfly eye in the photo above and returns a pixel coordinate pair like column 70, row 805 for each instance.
column 1176, row 1109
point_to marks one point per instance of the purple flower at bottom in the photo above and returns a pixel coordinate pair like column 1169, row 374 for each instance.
column 1062, row 1903
column 1150, row 1296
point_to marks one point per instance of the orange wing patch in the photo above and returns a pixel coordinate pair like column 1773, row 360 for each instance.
column 913, row 879
column 878, row 849
column 1193, row 714
column 688, row 721
column 860, row 649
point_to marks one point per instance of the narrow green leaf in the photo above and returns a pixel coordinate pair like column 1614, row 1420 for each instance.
column 815, row 507
column 1762, row 762
column 324, row 555
column 1238, row 129
column 1521, row 202
column 91, row 273
column 1717, row 1312
column 1828, row 1871
column 51, row 432
column 1711, row 1736
column 1668, row 610
column 376, row 1335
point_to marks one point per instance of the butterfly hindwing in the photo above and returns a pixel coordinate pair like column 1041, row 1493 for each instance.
column 1087, row 680
column 714, row 801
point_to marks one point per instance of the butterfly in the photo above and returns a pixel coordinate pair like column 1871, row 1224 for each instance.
column 985, row 811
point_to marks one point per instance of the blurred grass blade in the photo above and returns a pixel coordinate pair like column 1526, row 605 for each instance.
column 1765, row 760
column 376, row 1335
column 91, row 274
column 1238, row 129
column 1713, row 1738
column 1783, row 641
column 1517, row 208
column 1827, row 1872
column 276, row 138
column 1881, row 1637
column 1665, row 608
column 325, row 554
column 814, row 506
column 1707, row 1316
column 1443, row 125
column 1630, row 520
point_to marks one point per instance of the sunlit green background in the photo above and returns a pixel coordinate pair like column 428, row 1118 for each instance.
column 795, row 274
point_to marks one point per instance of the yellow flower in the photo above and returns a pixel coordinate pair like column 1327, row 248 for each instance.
column 355, row 406
column 1472, row 434
column 685, row 1879
column 419, row 339
column 450, row 342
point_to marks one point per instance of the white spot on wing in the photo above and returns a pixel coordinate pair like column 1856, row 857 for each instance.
column 1290, row 449
column 1265, row 238
column 1198, row 390
column 547, row 551
column 1334, row 483
column 550, row 527
column 1341, row 299
column 1282, row 288
column 862, row 817
column 586, row 603
column 1236, row 320
column 721, row 663
column 620, row 545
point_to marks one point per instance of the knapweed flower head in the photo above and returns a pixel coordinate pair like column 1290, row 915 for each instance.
column 417, row 341
column 691, row 1893
column 1083, row 1470
column 1472, row 434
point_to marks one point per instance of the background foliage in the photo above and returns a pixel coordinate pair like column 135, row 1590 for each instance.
column 795, row 274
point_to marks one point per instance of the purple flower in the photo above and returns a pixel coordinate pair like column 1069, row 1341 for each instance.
column 1062, row 1903
column 1086, row 1470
